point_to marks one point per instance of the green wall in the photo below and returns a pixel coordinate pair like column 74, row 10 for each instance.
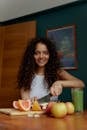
column 75, row 13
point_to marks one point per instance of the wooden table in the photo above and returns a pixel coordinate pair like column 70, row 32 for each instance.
column 77, row 121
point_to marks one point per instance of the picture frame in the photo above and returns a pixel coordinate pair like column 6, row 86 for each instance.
column 65, row 40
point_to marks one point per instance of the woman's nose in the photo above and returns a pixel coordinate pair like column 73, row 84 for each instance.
column 41, row 55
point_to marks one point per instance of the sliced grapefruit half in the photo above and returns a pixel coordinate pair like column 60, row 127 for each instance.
column 24, row 105
column 16, row 104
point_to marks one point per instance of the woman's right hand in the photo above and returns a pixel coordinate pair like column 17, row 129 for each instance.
column 56, row 88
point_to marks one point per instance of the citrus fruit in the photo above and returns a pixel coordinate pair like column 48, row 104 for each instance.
column 36, row 106
column 59, row 110
column 70, row 107
column 24, row 105
column 16, row 104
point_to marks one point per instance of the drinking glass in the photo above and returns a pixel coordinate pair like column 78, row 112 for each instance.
column 77, row 98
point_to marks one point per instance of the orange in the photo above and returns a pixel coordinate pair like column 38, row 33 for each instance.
column 24, row 105
column 70, row 107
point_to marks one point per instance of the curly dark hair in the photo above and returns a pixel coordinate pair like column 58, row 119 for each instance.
column 28, row 65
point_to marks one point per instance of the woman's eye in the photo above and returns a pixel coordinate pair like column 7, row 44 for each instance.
column 36, row 53
column 46, row 53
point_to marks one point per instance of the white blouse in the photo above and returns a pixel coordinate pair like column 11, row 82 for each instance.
column 39, row 87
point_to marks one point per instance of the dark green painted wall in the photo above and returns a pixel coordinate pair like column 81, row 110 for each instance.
column 66, row 15
column 77, row 15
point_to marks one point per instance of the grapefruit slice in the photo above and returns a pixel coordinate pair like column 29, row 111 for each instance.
column 24, row 105
column 16, row 104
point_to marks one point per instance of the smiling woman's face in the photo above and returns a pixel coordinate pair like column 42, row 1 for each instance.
column 41, row 55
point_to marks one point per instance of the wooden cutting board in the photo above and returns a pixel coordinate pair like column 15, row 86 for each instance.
column 12, row 111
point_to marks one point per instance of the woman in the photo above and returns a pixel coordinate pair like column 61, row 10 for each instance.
column 40, row 74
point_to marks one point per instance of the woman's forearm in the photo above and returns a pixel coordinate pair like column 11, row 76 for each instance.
column 57, row 86
column 68, row 80
column 72, row 83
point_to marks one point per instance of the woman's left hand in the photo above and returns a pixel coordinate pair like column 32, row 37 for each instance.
column 56, row 88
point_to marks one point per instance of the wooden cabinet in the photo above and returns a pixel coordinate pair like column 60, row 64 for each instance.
column 14, row 40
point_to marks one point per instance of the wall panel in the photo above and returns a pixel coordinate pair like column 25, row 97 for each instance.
column 15, row 40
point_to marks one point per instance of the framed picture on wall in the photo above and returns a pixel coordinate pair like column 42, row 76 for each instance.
column 65, row 41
